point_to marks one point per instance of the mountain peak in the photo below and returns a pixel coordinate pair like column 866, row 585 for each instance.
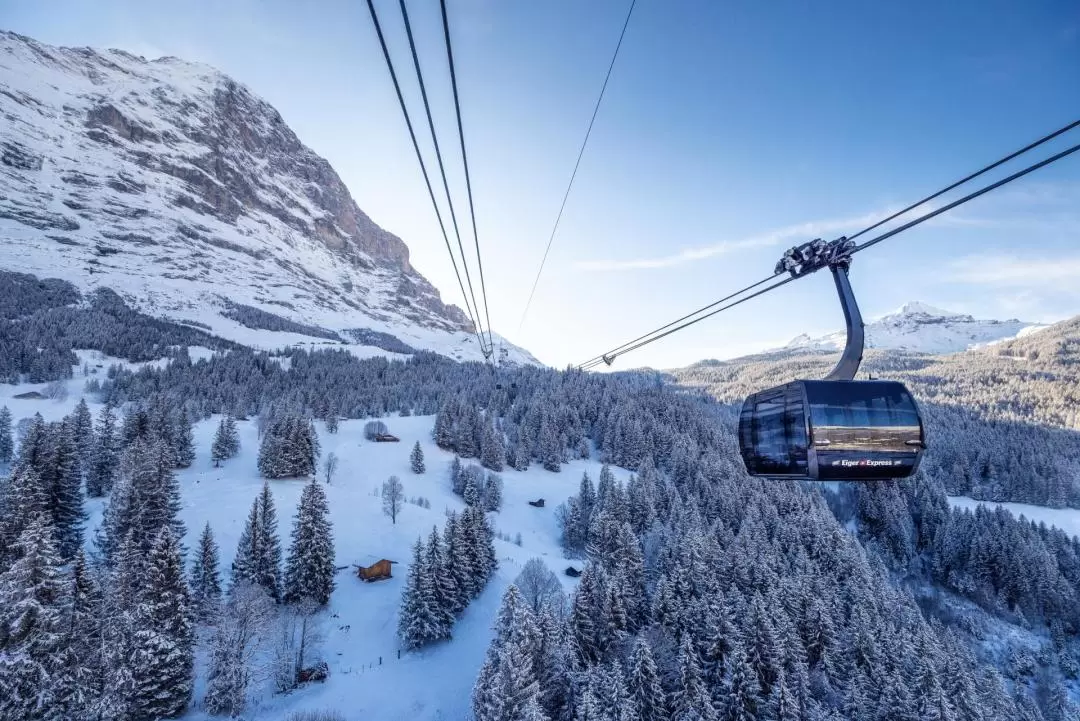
column 916, row 307
column 922, row 328
column 188, row 194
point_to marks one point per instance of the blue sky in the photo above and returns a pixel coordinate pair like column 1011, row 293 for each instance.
column 731, row 130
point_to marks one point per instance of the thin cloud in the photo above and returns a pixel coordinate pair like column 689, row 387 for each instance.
column 790, row 234
column 1010, row 271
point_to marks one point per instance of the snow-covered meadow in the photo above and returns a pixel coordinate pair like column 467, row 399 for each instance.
column 360, row 623
column 1067, row 519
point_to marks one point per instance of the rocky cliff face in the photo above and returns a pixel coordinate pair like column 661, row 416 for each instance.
column 180, row 189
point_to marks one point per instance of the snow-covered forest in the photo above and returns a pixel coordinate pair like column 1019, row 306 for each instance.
column 144, row 572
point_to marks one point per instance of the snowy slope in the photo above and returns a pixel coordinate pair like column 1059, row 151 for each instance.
column 922, row 328
column 1067, row 519
column 361, row 622
column 178, row 188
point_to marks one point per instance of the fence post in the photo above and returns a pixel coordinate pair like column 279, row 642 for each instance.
column 380, row 660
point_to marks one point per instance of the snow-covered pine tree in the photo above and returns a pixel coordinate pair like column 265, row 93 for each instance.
column 416, row 459
column 246, row 559
column 444, row 588
column 163, row 642
column 119, row 518
column 457, row 476
column 548, row 448
column 467, row 440
column 471, row 491
column 83, row 428
column 7, row 442
column 420, row 620
column 492, row 497
column 63, row 474
column 32, row 602
column 206, row 578
column 456, row 561
column 80, row 675
column 507, row 686
column 309, row 571
column 492, row 446
column 691, row 700
column 126, row 574
column 105, row 457
column 156, row 492
column 25, row 497
column 268, row 560
column 443, row 433
column 222, row 447
column 646, row 693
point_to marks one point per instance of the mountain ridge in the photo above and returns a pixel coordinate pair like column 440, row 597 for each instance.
column 922, row 328
column 179, row 188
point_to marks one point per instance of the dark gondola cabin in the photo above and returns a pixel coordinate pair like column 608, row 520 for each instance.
column 832, row 430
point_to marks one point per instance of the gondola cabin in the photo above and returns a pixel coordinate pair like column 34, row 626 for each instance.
column 832, row 430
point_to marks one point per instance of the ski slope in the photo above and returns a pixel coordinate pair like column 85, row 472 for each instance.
column 360, row 623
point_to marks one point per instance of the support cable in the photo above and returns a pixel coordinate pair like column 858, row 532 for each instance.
column 442, row 168
column 577, row 164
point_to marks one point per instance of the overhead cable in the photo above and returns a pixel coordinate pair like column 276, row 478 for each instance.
column 465, row 162
column 442, row 168
column 577, row 163
column 668, row 330
column 423, row 166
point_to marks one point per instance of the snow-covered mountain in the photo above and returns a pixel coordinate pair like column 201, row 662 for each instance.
column 180, row 189
column 921, row 328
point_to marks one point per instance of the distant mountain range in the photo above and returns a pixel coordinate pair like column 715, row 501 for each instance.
column 184, row 192
column 921, row 328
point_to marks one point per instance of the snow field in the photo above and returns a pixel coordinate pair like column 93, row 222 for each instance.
column 360, row 623
column 1067, row 519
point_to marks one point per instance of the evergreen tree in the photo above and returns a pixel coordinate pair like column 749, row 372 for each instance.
column 24, row 498
column 226, row 441
column 420, row 621
column 122, row 597
column 163, row 638
column 471, row 492
column 507, row 687
column 31, row 626
column 742, row 689
column 63, row 474
column 457, row 478
column 7, row 443
column 416, row 459
column 218, row 451
column 493, row 493
column 492, row 446
column 105, row 457
column 309, row 571
column 444, row 588
column 646, row 694
column 80, row 676
column 455, row 575
column 268, row 562
column 691, row 700
column 290, row 448
column 443, row 432
column 246, row 559
column 155, row 492
column 206, row 578
column 83, row 428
